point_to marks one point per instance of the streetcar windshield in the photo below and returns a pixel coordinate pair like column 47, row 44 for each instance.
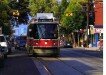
column 45, row 31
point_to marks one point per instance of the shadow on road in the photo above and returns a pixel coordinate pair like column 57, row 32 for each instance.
column 19, row 66
column 70, row 52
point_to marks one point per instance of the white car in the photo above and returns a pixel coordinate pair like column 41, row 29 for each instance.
column 3, row 44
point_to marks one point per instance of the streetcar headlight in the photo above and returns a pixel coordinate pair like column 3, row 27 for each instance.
column 45, row 43
column 36, row 43
column 68, row 44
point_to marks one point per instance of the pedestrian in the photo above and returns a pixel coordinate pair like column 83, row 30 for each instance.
column 82, row 44
column 101, row 45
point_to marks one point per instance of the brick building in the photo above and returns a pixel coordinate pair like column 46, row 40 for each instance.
column 98, row 23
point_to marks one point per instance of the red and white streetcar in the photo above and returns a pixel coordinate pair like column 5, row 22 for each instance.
column 42, row 35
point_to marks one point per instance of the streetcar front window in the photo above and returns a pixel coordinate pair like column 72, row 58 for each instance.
column 45, row 31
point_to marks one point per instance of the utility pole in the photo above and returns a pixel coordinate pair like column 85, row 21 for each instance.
column 87, row 27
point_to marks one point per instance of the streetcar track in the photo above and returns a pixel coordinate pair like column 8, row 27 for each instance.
column 49, row 71
column 71, row 66
column 44, row 61
column 40, row 60
column 45, row 66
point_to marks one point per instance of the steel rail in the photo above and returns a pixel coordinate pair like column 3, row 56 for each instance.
column 50, row 73
column 44, row 66
column 70, row 66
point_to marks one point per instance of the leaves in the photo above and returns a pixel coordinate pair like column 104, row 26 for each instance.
column 39, row 6
column 4, row 22
column 73, row 22
column 69, row 23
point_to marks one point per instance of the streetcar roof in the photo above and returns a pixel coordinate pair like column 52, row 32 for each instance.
column 45, row 23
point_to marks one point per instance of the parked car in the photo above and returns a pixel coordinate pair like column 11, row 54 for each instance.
column 21, row 40
column 9, row 44
column 4, row 45
column 68, row 45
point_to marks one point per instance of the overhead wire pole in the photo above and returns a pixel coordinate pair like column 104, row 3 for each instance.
column 87, row 27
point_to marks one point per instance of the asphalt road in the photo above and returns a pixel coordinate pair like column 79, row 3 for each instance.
column 21, row 65
column 18, row 63
column 94, row 53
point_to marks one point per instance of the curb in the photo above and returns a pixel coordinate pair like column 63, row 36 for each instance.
column 91, row 48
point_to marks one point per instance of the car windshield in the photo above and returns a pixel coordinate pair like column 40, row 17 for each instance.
column 2, row 39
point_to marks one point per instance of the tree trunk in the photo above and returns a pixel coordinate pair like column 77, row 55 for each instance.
column 73, row 39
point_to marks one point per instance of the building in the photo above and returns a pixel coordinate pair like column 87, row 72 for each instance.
column 20, row 31
column 98, row 24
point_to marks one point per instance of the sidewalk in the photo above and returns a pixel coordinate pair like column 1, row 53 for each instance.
column 90, row 48
column 16, row 53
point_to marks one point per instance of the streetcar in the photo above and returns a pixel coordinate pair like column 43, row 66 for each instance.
column 43, row 36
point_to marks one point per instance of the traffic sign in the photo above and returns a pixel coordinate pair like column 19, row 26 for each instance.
column 16, row 13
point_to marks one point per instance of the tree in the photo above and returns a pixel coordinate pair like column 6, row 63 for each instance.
column 36, row 6
column 74, row 21
column 21, row 7
column 63, row 6
column 73, row 18
column 55, row 8
column 4, row 22
column 40, row 6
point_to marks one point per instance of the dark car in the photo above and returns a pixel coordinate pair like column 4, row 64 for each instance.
column 68, row 45
column 21, row 41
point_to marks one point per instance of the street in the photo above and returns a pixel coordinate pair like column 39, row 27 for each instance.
column 70, row 62
column 70, row 31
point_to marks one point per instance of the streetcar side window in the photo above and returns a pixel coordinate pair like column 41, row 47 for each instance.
column 30, row 31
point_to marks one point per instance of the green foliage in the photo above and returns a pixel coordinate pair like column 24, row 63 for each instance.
column 3, row 9
column 6, row 29
column 63, row 5
column 73, row 22
column 34, row 6
column 55, row 8
column 3, row 5
column 69, row 24
column 4, row 22
column 21, row 6
column 39, row 6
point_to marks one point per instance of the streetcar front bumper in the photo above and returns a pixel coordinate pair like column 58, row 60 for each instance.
column 46, row 51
